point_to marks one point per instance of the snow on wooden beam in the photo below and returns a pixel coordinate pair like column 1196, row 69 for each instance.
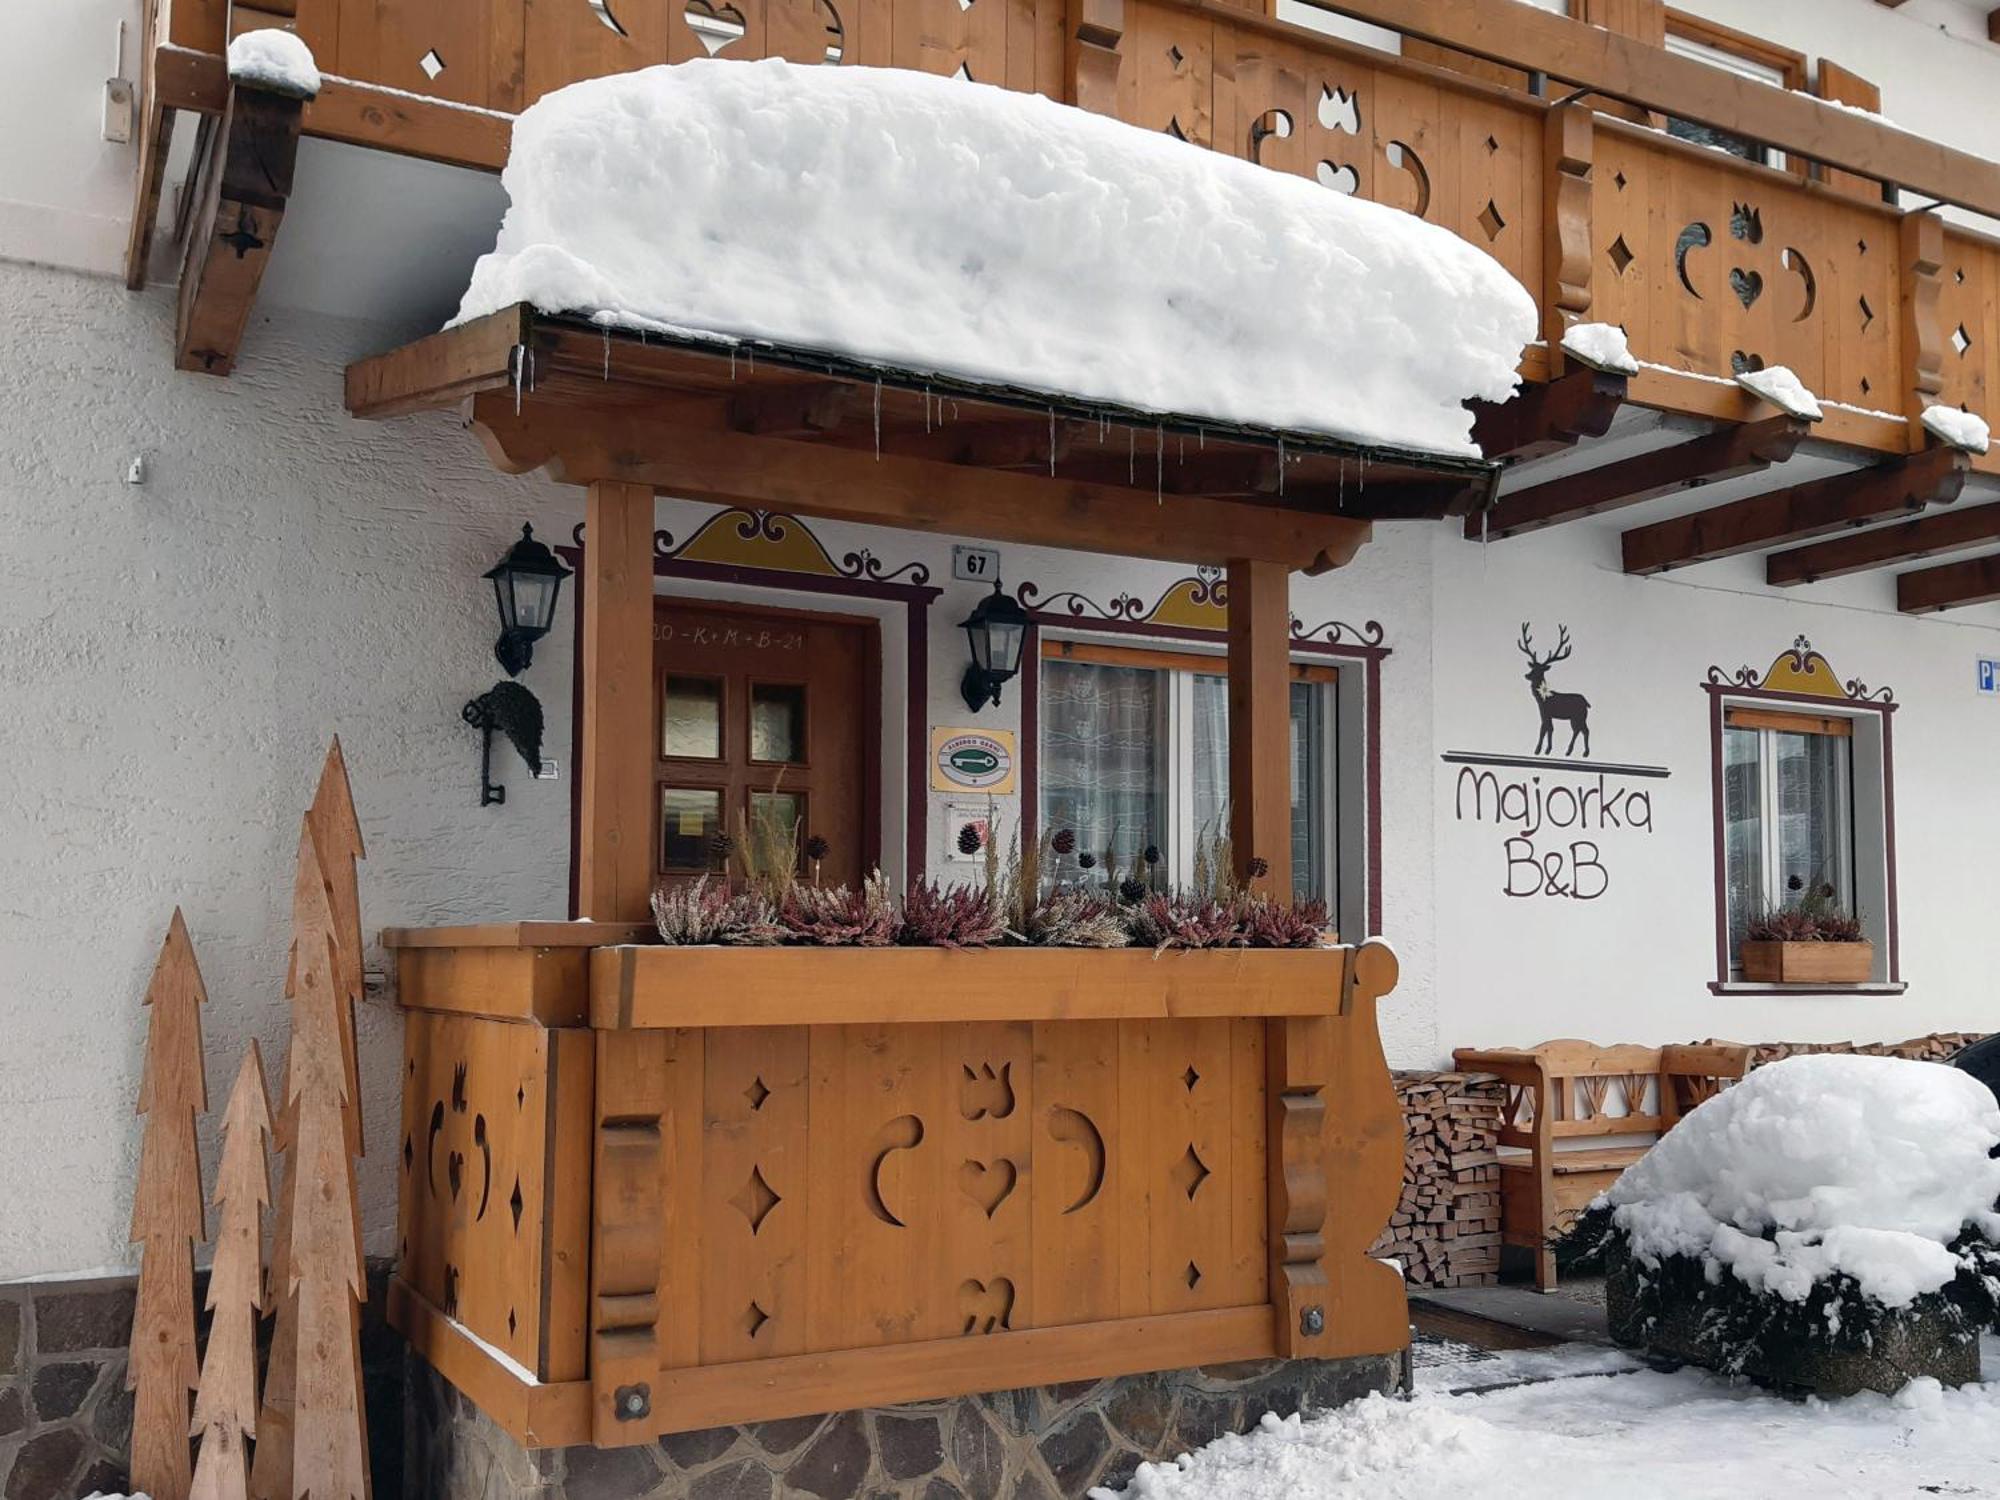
column 1546, row 419
column 1856, row 498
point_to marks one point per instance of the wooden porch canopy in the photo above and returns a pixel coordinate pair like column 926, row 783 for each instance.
column 630, row 415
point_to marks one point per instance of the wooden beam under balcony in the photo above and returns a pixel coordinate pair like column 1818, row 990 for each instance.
column 248, row 183
column 1949, row 531
column 822, row 435
column 1857, row 498
column 1727, row 453
column 1550, row 417
column 1637, row 72
column 1949, row 586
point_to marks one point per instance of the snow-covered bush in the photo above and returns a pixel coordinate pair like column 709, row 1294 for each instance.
column 1812, row 1204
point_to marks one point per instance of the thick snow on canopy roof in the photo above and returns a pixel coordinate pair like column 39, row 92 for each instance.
column 1817, row 1166
column 936, row 226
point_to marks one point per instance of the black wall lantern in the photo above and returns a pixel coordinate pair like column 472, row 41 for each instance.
column 525, row 585
column 997, row 629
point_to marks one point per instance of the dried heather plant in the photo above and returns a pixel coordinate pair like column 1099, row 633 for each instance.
column 949, row 916
column 1265, row 923
column 1176, row 919
column 705, row 913
column 1071, row 917
column 838, row 917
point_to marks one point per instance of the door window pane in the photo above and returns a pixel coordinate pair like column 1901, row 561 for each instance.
column 778, row 722
column 1210, row 778
column 692, row 717
column 774, row 828
column 1310, row 786
column 1103, row 755
column 690, row 818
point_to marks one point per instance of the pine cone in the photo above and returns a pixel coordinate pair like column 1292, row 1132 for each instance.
column 1152, row 854
column 968, row 839
column 721, row 845
column 1086, row 861
column 816, row 847
column 1258, row 867
column 1131, row 891
column 1064, row 841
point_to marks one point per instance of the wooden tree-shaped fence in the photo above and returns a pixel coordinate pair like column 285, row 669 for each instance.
column 167, row 1222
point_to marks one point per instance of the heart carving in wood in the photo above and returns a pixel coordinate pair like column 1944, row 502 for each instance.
column 989, row 1187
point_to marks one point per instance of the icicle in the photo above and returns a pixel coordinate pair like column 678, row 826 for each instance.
column 1183, row 451
column 607, row 351
column 1131, row 455
column 1052, row 442
column 1159, row 462
column 1201, row 439
column 878, row 419
column 732, row 364
column 1340, row 500
column 517, row 359
column 1281, row 467
column 927, row 409
column 752, row 352
column 1364, row 473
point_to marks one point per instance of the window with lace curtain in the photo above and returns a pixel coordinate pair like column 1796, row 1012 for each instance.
column 1135, row 752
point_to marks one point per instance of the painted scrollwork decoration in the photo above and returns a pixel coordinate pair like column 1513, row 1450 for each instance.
column 1800, row 670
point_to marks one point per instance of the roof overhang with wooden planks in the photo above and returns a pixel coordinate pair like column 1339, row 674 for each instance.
column 817, row 434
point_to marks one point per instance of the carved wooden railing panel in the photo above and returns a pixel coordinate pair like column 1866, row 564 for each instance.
column 483, row 1211
column 1969, row 321
column 1714, row 268
column 803, row 1180
column 855, row 1186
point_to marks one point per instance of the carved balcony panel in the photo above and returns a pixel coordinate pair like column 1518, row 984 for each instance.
column 1715, row 268
column 1969, row 321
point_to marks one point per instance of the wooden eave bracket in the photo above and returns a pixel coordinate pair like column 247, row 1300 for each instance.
column 248, row 183
column 1950, row 530
column 1727, row 453
column 1818, row 506
column 1548, row 418
column 1927, row 591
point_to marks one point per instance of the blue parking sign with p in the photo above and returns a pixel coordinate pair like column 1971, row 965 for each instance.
column 1989, row 675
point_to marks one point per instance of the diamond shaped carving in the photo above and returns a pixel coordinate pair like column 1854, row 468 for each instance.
column 1190, row 1078
column 756, row 1093
column 1176, row 56
column 1619, row 178
column 1621, row 255
column 1193, row 1275
column 754, row 1319
column 755, row 1200
column 1190, row 1172
column 516, row 1204
column 1961, row 340
column 1867, row 314
column 1490, row 220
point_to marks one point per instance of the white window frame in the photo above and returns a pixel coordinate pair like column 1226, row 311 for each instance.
column 1178, row 714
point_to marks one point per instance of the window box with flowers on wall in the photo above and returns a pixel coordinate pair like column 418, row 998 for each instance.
column 1804, row 829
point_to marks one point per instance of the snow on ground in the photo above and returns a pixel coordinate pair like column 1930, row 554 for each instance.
column 1869, row 1166
column 1637, row 1436
column 939, row 226
column 274, row 59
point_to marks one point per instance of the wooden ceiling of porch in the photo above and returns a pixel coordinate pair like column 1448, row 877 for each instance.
column 818, row 435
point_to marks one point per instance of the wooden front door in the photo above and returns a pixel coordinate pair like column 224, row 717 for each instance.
column 765, row 717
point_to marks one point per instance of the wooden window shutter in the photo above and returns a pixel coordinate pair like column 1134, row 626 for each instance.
column 1843, row 87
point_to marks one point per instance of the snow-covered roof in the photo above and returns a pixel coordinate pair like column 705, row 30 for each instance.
column 933, row 225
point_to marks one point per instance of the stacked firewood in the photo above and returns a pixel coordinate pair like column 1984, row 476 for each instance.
column 1446, row 1228
column 1938, row 1046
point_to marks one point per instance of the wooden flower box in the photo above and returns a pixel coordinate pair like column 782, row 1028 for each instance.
column 651, row 1189
column 1807, row 963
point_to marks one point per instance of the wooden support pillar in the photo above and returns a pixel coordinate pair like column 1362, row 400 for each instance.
column 634, row 1072
column 1260, row 725
column 615, row 832
column 1298, row 1062
column 1922, row 249
column 1568, row 140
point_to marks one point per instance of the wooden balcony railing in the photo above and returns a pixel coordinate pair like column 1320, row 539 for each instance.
column 1712, row 264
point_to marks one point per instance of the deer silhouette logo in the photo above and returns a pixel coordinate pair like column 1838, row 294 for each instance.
column 1572, row 708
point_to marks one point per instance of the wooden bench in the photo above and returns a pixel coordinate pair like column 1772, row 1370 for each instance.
column 1563, row 1094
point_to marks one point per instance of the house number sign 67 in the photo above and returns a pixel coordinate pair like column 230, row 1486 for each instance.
column 974, row 564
